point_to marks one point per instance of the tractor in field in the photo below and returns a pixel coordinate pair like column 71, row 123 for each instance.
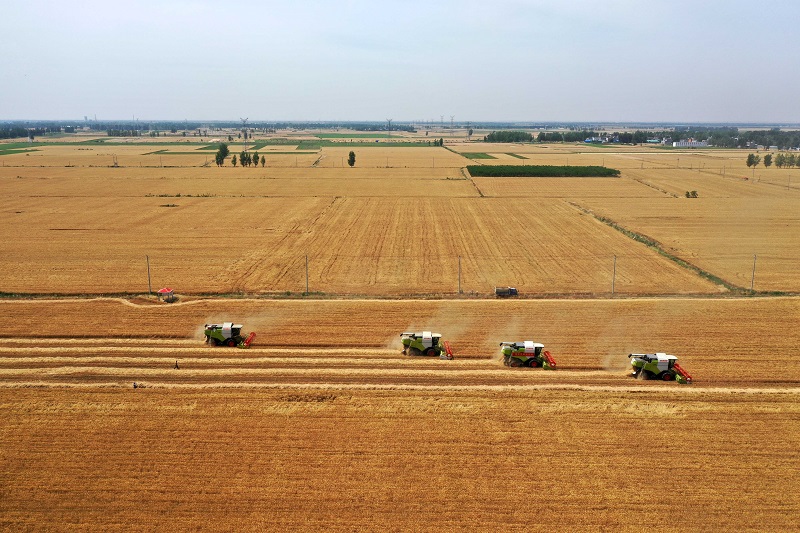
column 526, row 353
column 227, row 334
column 658, row 366
column 425, row 343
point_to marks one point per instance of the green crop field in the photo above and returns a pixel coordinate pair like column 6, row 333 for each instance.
column 541, row 171
column 477, row 155
column 353, row 135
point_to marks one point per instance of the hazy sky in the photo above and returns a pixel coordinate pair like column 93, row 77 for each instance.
column 613, row 60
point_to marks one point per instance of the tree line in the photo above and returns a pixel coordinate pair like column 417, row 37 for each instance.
column 508, row 137
column 781, row 160
column 13, row 132
column 245, row 159
column 541, row 171
column 568, row 136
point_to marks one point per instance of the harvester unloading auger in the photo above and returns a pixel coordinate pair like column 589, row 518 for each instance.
column 425, row 343
column 527, row 353
column 227, row 334
column 658, row 366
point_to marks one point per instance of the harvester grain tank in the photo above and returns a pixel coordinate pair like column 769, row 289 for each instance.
column 658, row 366
column 526, row 353
column 227, row 334
column 425, row 343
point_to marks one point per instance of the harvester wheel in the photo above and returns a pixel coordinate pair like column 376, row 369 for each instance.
column 430, row 352
column 666, row 376
column 514, row 362
column 231, row 343
column 532, row 363
column 413, row 351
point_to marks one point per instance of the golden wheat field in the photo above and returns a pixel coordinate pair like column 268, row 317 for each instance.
column 322, row 424
column 378, row 229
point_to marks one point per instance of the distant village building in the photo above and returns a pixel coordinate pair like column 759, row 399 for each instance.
column 690, row 143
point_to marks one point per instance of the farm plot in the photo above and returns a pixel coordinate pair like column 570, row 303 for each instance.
column 677, row 182
column 721, row 235
column 391, row 157
column 722, row 343
column 86, row 245
column 390, row 246
column 381, row 246
column 232, row 182
column 132, row 155
column 342, row 459
column 322, row 410
column 564, row 188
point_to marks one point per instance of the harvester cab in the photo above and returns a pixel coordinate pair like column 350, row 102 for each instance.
column 425, row 343
column 658, row 366
column 526, row 353
column 227, row 334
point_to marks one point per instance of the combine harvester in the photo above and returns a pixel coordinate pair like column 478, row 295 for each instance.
column 227, row 334
column 658, row 366
column 425, row 343
column 527, row 353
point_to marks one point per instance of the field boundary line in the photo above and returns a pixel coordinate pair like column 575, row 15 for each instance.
column 659, row 189
column 465, row 172
column 655, row 245
column 633, row 389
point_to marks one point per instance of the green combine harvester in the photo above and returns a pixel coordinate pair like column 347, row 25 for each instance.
column 425, row 343
column 658, row 366
column 527, row 353
column 227, row 334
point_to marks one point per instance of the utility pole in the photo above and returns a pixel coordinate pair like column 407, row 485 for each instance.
column 753, row 278
column 614, row 277
column 244, row 130
column 459, row 274
column 149, row 287
column 306, row 274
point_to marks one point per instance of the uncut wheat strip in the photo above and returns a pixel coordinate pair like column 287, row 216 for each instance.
column 289, row 361
column 61, row 341
column 444, row 371
column 651, row 391
column 364, row 352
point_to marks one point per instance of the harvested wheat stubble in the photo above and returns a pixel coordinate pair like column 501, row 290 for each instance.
column 309, row 459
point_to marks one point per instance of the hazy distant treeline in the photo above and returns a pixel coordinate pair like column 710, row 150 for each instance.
column 13, row 132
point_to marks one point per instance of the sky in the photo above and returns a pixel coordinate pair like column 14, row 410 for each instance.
column 349, row 60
